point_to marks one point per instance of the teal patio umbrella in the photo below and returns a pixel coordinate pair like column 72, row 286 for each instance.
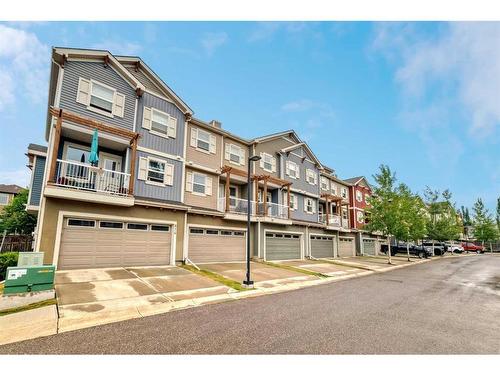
column 94, row 158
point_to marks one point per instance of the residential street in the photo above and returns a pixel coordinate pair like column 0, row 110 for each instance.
column 446, row 306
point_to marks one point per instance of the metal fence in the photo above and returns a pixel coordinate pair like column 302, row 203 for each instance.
column 16, row 242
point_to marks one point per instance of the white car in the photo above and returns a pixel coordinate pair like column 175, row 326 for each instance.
column 454, row 248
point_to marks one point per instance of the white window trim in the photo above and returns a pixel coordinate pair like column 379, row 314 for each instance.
column 238, row 154
column 264, row 156
column 198, row 138
column 324, row 179
column 290, row 163
column 293, row 198
column 359, row 214
column 311, row 173
column 97, row 110
column 359, row 196
column 343, row 192
column 6, row 199
column 307, row 199
column 204, row 194
column 154, row 131
column 162, row 184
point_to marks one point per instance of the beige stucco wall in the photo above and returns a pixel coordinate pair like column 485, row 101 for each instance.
column 54, row 206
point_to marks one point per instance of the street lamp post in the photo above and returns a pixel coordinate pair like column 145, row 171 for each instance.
column 249, row 283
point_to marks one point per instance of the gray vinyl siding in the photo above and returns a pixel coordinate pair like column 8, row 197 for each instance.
column 301, row 183
column 172, row 146
column 73, row 70
column 169, row 193
column 300, row 214
column 36, row 187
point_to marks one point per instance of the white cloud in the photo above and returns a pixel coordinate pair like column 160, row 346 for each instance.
column 460, row 61
column 24, row 61
column 211, row 41
column 119, row 47
column 19, row 177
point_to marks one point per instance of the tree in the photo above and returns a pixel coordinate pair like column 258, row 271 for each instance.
column 383, row 210
column 14, row 217
column 485, row 229
column 498, row 213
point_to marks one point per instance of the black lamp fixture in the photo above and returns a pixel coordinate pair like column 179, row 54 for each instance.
column 247, row 282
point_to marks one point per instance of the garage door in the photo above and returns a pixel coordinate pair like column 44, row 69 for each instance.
column 369, row 247
column 322, row 246
column 346, row 247
column 87, row 243
column 216, row 245
column 282, row 246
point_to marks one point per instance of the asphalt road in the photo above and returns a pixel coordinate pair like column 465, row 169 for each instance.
column 446, row 306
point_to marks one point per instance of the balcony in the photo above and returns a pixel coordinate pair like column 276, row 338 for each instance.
column 330, row 220
column 239, row 206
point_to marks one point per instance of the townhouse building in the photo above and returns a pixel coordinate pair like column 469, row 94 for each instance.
column 168, row 187
column 7, row 194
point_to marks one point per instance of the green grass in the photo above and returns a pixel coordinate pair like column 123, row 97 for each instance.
column 295, row 269
column 31, row 306
column 214, row 276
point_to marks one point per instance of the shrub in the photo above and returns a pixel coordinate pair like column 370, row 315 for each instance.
column 7, row 260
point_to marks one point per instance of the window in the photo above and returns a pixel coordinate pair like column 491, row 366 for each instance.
column 159, row 121
column 311, row 176
column 156, row 171
column 101, row 97
column 233, row 196
column 359, row 216
column 334, row 188
column 160, row 228
column 235, row 154
column 111, row 224
column 213, row 232
column 309, row 205
column 196, row 231
column 344, row 214
column 324, row 183
column 81, row 223
column 238, row 233
column 203, row 140
column 4, row 198
column 292, row 169
column 79, row 154
column 226, row 233
column 367, row 197
column 359, row 196
column 344, row 192
column 267, row 162
column 199, row 183
column 135, row 226
column 293, row 202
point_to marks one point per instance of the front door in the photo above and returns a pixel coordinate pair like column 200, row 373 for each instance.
column 107, row 179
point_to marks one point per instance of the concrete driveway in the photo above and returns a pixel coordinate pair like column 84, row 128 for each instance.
column 263, row 275
column 324, row 267
column 97, row 296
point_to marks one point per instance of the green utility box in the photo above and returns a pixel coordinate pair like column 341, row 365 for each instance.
column 29, row 279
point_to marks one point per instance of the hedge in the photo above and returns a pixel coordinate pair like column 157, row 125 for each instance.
column 7, row 260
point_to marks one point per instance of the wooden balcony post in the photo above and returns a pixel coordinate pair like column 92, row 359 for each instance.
column 55, row 149
column 327, row 211
column 256, row 195
column 288, row 199
column 226, row 188
column 265, row 197
column 133, row 156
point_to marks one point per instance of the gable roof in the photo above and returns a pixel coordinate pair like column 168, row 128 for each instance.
column 10, row 189
column 357, row 180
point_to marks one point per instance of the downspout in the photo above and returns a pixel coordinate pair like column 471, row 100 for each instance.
column 188, row 261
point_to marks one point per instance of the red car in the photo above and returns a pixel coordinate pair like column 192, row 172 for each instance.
column 469, row 246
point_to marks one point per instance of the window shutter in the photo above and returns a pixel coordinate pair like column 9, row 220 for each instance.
column 261, row 161
column 143, row 169
column 287, row 168
column 227, row 154
column 273, row 161
column 213, row 144
column 313, row 206
column 168, row 177
column 189, row 181
column 194, row 136
column 119, row 104
column 298, row 171
column 242, row 156
column 305, row 204
column 315, row 178
column 172, row 127
column 208, row 185
column 146, row 118
column 83, row 94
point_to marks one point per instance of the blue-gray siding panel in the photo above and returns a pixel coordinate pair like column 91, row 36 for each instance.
column 36, row 187
column 300, row 214
column 169, row 193
column 168, row 145
column 301, row 183
column 73, row 70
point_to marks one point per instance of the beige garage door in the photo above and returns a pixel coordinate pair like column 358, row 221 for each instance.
column 322, row 246
column 89, row 243
column 283, row 246
column 346, row 247
column 209, row 245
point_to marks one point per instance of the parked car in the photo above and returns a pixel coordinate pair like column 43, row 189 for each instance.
column 439, row 247
column 471, row 247
column 453, row 247
column 400, row 248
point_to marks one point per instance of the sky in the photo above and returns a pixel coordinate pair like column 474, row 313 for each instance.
column 421, row 97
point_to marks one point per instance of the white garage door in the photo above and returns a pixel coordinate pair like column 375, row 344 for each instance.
column 88, row 243
column 322, row 246
column 209, row 245
column 369, row 246
column 282, row 246
column 346, row 247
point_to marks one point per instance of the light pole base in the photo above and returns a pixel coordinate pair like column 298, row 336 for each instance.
column 248, row 284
